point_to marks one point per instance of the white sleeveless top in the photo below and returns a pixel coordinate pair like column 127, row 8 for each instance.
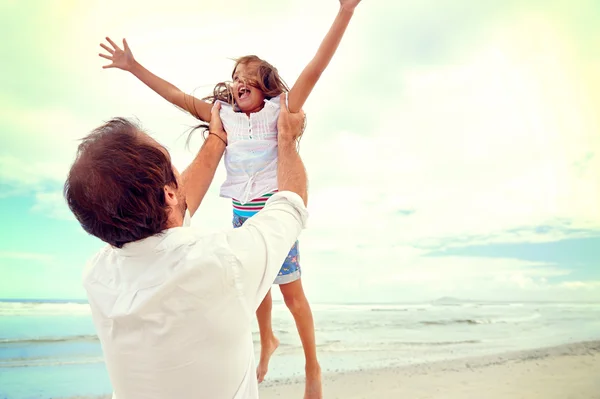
column 251, row 153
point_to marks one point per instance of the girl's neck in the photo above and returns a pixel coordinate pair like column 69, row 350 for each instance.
column 254, row 110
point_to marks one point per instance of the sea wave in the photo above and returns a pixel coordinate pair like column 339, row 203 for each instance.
column 454, row 321
column 48, row 362
column 342, row 346
column 401, row 308
column 47, row 340
column 499, row 320
column 358, row 307
column 38, row 308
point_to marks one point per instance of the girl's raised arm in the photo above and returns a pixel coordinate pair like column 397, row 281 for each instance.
column 123, row 59
column 311, row 74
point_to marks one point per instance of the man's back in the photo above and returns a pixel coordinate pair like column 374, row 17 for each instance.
column 174, row 311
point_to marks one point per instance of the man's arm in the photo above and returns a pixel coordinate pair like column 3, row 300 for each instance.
column 264, row 241
column 291, row 174
column 198, row 176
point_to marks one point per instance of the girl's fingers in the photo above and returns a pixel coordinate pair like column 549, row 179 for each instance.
column 112, row 43
column 105, row 47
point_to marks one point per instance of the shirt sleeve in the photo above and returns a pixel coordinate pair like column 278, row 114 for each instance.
column 261, row 245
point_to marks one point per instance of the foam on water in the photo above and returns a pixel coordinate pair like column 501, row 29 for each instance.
column 47, row 340
column 54, row 343
column 39, row 308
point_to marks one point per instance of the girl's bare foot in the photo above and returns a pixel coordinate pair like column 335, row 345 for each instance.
column 266, row 351
column 313, row 388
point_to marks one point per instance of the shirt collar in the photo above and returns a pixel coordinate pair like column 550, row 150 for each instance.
column 153, row 243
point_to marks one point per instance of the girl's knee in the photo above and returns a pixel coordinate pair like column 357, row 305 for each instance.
column 295, row 301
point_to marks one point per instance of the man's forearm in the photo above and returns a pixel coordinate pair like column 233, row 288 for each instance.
column 198, row 176
column 291, row 174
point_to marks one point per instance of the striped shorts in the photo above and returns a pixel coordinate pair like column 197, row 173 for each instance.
column 290, row 270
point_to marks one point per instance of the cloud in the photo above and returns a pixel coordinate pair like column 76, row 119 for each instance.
column 52, row 205
column 23, row 176
column 38, row 147
column 582, row 285
column 442, row 145
column 27, row 256
column 355, row 276
column 432, row 128
column 486, row 150
column 41, row 132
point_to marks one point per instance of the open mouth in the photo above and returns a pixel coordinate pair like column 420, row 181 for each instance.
column 243, row 93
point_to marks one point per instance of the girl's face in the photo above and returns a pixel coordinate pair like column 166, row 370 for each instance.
column 247, row 97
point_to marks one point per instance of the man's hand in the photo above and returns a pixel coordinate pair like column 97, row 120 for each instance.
column 349, row 5
column 216, row 125
column 289, row 125
column 291, row 175
column 122, row 59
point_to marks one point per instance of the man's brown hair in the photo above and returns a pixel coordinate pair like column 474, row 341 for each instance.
column 115, row 187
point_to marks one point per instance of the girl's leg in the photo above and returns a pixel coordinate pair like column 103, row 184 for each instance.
column 268, row 342
column 296, row 301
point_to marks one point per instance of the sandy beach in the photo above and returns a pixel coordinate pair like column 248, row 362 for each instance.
column 569, row 371
column 426, row 350
column 562, row 372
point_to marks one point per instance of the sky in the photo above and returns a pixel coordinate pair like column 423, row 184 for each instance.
column 452, row 147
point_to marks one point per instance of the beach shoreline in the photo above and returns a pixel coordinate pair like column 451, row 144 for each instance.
column 564, row 371
column 568, row 371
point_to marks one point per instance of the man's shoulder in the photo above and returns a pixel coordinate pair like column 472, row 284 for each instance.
column 94, row 259
column 184, row 251
column 194, row 237
column 174, row 244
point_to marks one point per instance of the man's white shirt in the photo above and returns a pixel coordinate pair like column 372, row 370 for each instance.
column 174, row 311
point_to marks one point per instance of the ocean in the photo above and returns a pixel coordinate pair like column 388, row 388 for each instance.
column 48, row 349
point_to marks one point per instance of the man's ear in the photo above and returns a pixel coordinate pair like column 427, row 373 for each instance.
column 171, row 199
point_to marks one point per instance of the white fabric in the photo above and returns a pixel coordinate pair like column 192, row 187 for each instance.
column 251, row 154
column 173, row 311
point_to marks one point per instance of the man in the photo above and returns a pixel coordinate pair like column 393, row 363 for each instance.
column 173, row 308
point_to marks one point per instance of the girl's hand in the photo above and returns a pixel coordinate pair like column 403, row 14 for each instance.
column 122, row 59
column 349, row 5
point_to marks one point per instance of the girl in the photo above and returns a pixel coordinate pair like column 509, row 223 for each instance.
column 249, row 111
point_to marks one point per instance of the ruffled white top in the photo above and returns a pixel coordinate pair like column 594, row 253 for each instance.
column 251, row 154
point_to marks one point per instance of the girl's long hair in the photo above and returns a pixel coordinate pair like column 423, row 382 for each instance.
column 268, row 81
